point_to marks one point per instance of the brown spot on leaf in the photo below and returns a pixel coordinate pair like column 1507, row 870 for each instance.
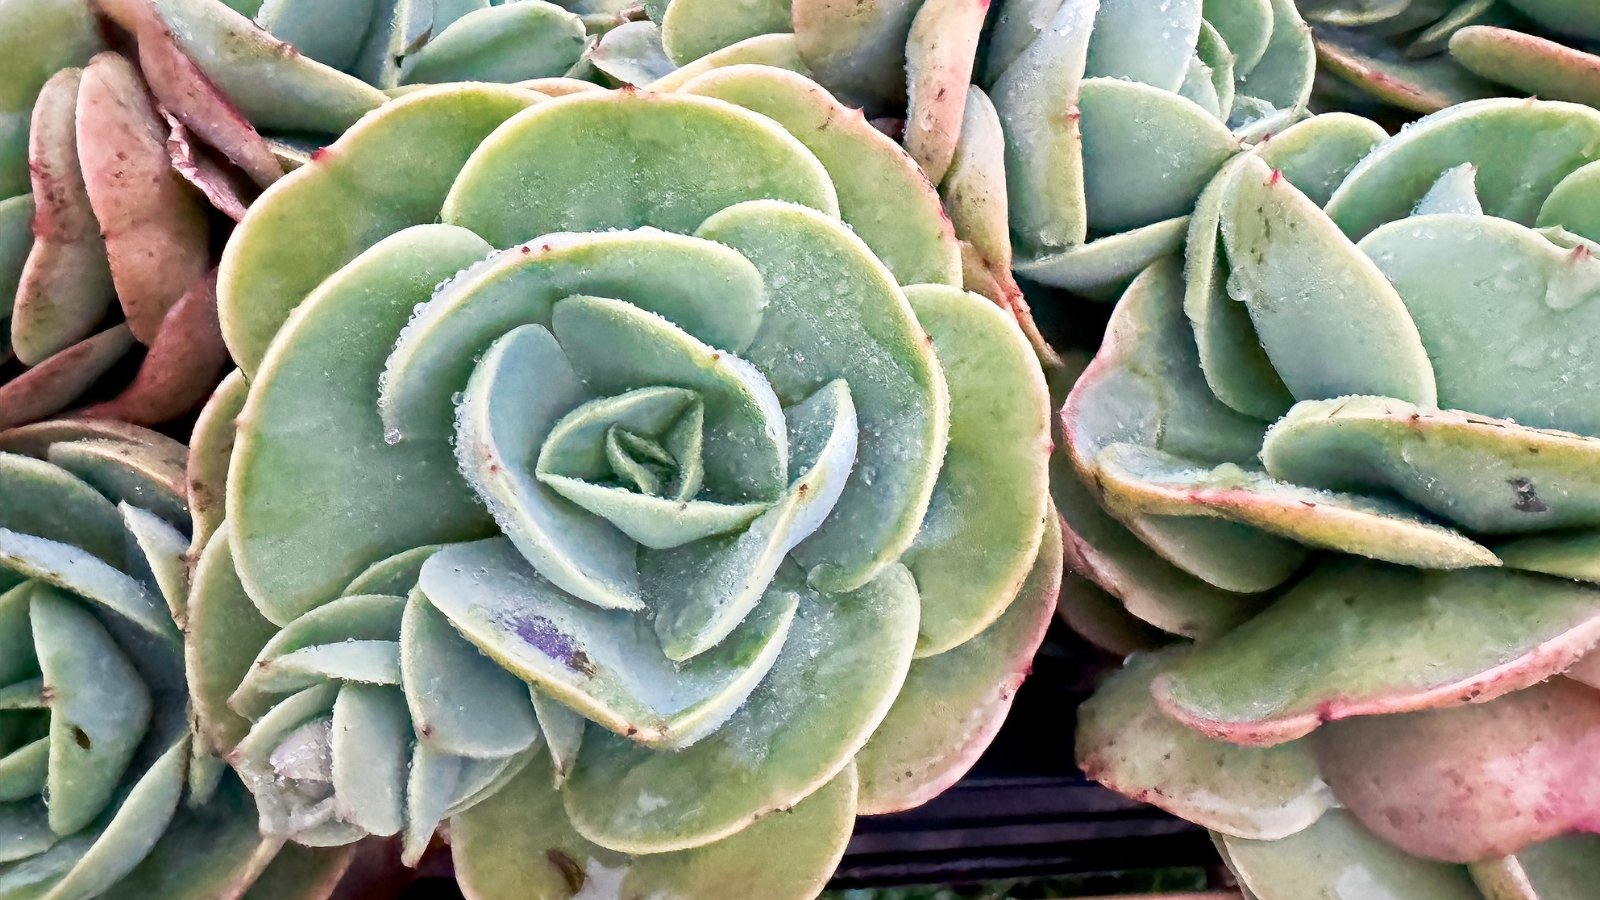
column 571, row 872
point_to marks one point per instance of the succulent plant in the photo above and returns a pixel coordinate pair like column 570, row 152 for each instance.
column 1117, row 113
column 1425, row 55
column 1348, row 447
column 409, row 42
column 670, row 483
column 111, row 163
column 94, row 745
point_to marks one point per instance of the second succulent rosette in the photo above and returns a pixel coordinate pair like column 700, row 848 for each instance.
column 614, row 473
column 1349, row 446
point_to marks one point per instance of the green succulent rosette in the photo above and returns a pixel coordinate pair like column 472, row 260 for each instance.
column 1116, row 115
column 1348, row 447
column 99, row 796
column 630, row 471
column 1425, row 55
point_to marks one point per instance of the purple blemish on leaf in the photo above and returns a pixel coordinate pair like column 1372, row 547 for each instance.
column 542, row 634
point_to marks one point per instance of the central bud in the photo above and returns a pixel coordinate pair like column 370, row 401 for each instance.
column 624, row 456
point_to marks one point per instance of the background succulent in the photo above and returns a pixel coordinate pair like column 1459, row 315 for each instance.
column 125, row 150
column 1116, row 114
column 1424, row 55
column 1348, row 447
column 618, row 512
column 407, row 42
column 94, row 746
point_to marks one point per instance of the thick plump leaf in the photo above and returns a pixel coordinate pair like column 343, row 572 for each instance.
column 1147, row 154
column 461, row 702
column 554, row 168
column 631, row 53
column 850, row 321
column 883, row 196
column 1152, row 589
column 1102, row 620
column 1472, row 782
column 1491, row 134
column 708, row 290
column 345, row 200
column 1044, row 152
column 1103, row 268
column 1135, row 41
column 371, row 744
column 356, row 622
column 855, row 50
column 315, row 492
column 1339, row 860
column 845, row 659
column 37, row 39
column 1560, row 869
column 1142, row 484
column 1372, row 640
column 953, row 704
column 1502, row 292
column 73, row 570
column 271, row 84
column 940, row 52
column 520, row 841
column 694, row 28
column 1533, row 65
column 66, row 285
column 1128, row 744
column 776, row 50
column 44, row 500
column 614, row 347
column 225, row 633
column 130, row 833
column 1489, row 475
column 504, row 43
column 210, row 450
column 606, row 664
column 99, row 708
column 155, row 231
column 16, row 240
column 145, row 475
column 1327, row 318
column 234, row 855
column 989, row 508
column 1146, row 386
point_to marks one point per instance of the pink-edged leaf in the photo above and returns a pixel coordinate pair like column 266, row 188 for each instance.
column 1127, row 744
column 35, row 440
column 1098, row 618
column 994, row 281
column 222, row 184
column 156, row 234
column 184, row 363
column 939, row 55
column 51, row 386
column 1586, row 670
column 66, row 281
column 1359, row 639
column 1548, row 69
column 953, row 703
column 185, row 91
column 1476, row 781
